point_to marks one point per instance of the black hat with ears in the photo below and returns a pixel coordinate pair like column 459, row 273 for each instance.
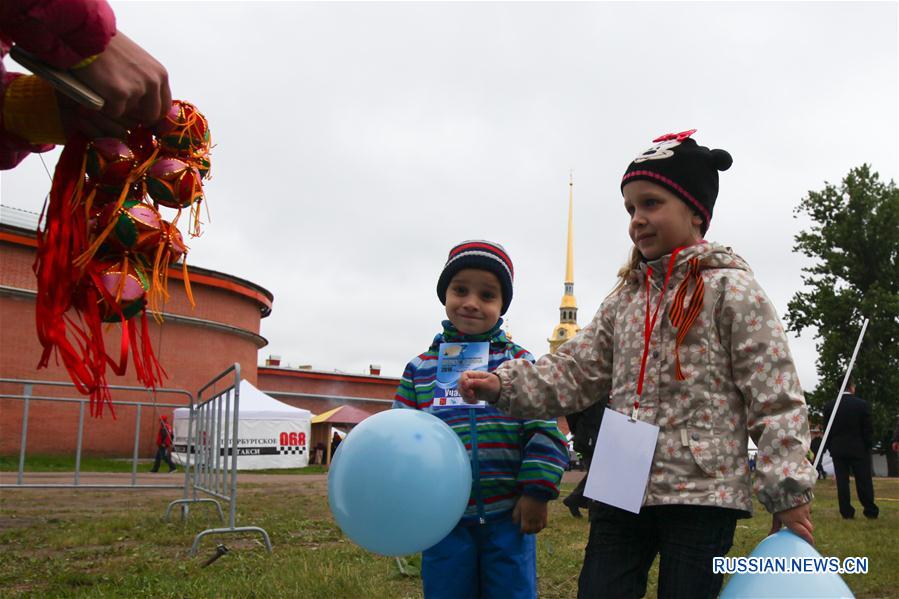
column 687, row 169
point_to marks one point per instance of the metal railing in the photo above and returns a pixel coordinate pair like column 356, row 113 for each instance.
column 212, row 437
column 27, row 397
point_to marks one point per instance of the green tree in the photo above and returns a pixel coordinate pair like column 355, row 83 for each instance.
column 854, row 245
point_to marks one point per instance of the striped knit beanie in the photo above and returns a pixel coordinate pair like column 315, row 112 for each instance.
column 688, row 170
column 482, row 255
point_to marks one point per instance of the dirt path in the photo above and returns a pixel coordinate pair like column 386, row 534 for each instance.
column 175, row 479
column 93, row 498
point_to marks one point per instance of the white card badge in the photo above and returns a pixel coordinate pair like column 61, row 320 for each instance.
column 452, row 360
column 619, row 470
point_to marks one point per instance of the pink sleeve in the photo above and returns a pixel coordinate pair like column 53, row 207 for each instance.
column 61, row 32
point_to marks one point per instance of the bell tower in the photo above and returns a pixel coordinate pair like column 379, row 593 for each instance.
column 567, row 327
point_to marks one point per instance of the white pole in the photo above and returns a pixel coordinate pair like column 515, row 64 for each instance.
column 836, row 406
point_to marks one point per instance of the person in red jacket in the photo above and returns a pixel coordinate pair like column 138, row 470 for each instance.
column 164, row 445
column 79, row 36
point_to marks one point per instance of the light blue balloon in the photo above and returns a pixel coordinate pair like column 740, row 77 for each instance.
column 824, row 585
column 399, row 482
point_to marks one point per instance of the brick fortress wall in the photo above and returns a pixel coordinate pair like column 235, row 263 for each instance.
column 193, row 345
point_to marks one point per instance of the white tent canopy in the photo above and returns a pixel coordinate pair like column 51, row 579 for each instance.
column 270, row 433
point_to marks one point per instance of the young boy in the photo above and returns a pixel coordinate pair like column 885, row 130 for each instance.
column 516, row 464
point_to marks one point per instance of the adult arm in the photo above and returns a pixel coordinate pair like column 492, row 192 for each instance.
column 27, row 105
column 81, row 35
column 867, row 427
column 62, row 33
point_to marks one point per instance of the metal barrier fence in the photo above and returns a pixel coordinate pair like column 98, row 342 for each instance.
column 27, row 397
column 212, row 437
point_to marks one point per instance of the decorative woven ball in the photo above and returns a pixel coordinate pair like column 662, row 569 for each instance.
column 124, row 288
column 109, row 162
column 173, row 183
column 174, row 242
column 184, row 130
column 142, row 143
column 203, row 166
column 138, row 226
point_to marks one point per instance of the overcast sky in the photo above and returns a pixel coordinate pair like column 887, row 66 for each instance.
column 356, row 143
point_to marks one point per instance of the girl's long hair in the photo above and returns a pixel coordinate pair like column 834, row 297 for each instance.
column 628, row 272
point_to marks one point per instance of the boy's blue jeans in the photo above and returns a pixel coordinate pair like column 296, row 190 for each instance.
column 492, row 560
column 622, row 546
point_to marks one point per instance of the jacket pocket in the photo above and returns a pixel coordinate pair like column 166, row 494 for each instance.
column 705, row 452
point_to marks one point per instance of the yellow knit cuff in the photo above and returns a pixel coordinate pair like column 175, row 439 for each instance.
column 85, row 62
column 30, row 111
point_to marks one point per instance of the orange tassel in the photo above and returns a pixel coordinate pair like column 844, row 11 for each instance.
column 98, row 241
column 682, row 318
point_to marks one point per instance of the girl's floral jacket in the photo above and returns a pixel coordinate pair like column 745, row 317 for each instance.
column 739, row 381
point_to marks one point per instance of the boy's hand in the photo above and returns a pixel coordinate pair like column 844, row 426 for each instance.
column 477, row 385
column 797, row 519
column 530, row 514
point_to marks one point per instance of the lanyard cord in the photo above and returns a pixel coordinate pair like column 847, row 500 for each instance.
column 649, row 324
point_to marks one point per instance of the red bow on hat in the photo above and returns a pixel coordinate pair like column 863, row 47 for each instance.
column 677, row 136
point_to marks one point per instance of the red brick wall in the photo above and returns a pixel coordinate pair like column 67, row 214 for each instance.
column 190, row 353
column 16, row 267
column 272, row 380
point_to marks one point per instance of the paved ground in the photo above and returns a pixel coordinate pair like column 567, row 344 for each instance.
column 96, row 478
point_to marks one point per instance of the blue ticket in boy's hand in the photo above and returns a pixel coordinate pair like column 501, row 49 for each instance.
column 452, row 360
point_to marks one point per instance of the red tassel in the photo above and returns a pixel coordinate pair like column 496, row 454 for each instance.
column 64, row 235
column 155, row 372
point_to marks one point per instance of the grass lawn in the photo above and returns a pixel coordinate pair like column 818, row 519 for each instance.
column 114, row 543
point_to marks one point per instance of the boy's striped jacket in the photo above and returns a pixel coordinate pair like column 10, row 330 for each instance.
column 509, row 456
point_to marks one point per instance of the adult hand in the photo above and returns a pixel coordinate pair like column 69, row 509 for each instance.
column 530, row 514
column 134, row 85
column 797, row 519
column 477, row 385
column 79, row 119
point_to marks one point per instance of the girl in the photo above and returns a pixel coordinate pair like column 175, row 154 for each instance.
column 689, row 342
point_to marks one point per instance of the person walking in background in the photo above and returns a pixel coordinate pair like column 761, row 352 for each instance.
column 815, row 448
column 163, row 445
column 584, row 425
column 318, row 454
column 850, row 442
column 335, row 442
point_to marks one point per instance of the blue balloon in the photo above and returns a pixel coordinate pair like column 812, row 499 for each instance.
column 399, row 482
column 785, row 544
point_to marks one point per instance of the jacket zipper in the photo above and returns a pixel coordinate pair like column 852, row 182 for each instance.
column 475, row 466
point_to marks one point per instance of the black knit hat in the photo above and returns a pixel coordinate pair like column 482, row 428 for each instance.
column 679, row 164
column 482, row 255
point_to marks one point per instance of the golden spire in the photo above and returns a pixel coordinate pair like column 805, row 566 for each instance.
column 567, row 327
column 569, row 260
